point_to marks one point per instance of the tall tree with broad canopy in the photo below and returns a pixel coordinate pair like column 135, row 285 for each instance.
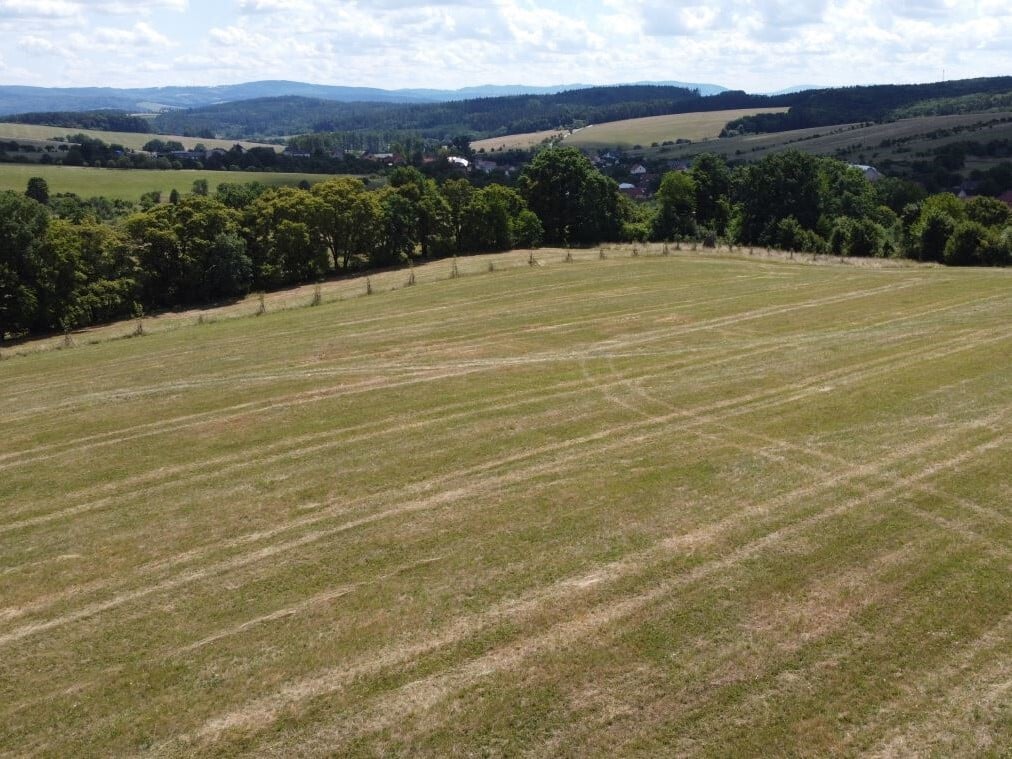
column 777, row 187
column 350, row 220
column 26, row 268
column 677, row 213
column 575, row 202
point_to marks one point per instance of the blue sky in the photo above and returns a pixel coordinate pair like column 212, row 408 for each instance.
column 758, row 45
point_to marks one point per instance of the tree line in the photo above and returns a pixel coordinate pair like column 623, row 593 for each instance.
column 803, row 203
column 66, row 264
column 108, row 120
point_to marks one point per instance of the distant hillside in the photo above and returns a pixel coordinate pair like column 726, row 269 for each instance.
column 844, row 105
column 17, row 99
column 105, row 120
column 481, row 117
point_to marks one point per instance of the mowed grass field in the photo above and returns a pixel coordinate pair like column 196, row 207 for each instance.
column 625, row 134
column 688, row 126
column 663, row 505
column 130, row 184
column 917, row 135
column 133, row 140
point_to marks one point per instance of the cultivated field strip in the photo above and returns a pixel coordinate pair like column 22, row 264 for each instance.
column 659, row 505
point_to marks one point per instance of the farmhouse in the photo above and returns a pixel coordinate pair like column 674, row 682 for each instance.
column 870, row 172
column 632, row 191
column 638, row 169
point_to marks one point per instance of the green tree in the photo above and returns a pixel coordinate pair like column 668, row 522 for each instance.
column 229, row 270
column 966, row 244
column 574, row 201
column 350, row 220
column 96, row 279
column 239, row 195
column 285, row 239
column 399, row 236
column 844, row 191
column 865, row 238
column 677, row 199
column 712, row 180
column 26, row 271
column 200, row 187
column 932, row 234
column 458, row 194
column 776, row 187
column 526, row 230
column 990, row 212
column 897, row 193
column 38, row 190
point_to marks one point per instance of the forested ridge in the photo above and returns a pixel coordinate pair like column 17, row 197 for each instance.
column 846, row 105
column 531, row 113
column 67, row 262
column 503, row 115
column 106, row 120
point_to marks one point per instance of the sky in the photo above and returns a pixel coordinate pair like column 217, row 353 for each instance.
column 756, row 45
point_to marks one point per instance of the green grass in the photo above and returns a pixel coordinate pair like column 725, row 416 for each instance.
column 133, row 140
column 859, row 143
column 130, row 184
column 670, row 505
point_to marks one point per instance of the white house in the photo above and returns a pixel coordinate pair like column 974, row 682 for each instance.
column 870, row 172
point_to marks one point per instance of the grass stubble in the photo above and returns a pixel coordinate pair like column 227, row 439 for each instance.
column 671, row 504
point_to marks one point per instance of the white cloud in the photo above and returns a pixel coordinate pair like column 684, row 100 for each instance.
column 751, row 44
column 38, row 9
column 142, row 36
column 274, row 6
column 37, row 45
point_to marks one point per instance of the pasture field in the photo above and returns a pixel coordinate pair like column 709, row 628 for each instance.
column 625, row 134
column 900, row 141
column 662, row 505
column 516, row 141
column 133, row 140
column 689, row 126
column 130, row 184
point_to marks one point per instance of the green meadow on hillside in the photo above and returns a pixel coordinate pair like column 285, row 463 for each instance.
column 130, row 184
column 606, row 506
column 899, row 141
column 133, row 140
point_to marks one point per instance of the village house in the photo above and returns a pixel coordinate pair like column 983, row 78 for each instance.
column 870, row 172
